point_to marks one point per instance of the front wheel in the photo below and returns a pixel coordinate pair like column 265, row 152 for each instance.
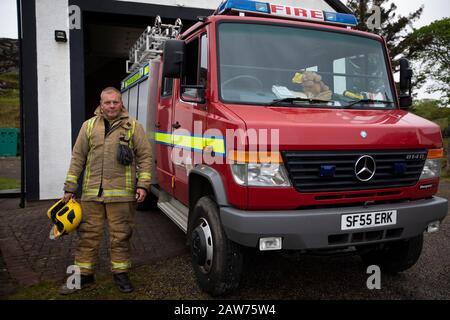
column 217, row 261
column 395, row 256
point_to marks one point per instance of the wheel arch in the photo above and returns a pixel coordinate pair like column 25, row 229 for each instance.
column 204, row 181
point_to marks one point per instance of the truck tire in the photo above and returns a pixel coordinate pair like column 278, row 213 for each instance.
column 217, row 261
column 149, row 203
column 395, row 256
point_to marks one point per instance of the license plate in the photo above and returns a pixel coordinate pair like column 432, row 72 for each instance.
column 368, row 220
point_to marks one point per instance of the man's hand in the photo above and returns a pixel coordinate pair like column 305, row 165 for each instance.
column 140, row 194
column 67, row 196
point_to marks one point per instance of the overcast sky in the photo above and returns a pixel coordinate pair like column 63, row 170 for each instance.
column 434, row 10
column 8, row 19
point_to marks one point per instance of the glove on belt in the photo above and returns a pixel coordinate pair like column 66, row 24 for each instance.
column 124, row 154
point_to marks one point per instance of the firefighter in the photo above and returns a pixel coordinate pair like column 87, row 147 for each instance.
column 115, row 154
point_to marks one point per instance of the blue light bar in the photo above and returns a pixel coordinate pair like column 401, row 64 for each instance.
column 341, row 18
column 283, row 11
column 244, row 5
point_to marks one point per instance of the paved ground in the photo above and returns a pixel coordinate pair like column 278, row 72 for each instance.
column 29, row 256
column 10, row 167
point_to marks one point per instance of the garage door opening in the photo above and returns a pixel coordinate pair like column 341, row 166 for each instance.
column 107, row 40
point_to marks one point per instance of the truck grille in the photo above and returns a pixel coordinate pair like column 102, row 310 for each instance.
column 328, row 171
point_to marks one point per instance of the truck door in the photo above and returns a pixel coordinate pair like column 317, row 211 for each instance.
column 163, row 136
column 189, row 118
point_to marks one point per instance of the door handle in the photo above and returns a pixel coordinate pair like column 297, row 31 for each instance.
column 157, row 125
column 176, row 125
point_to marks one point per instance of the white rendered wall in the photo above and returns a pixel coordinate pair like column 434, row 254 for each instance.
column 213, row 4
column 203, row 4
column 54, row 111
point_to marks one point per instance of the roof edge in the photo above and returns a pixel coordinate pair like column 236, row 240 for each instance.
column 339, row 6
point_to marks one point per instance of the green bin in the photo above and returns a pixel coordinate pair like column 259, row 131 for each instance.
column 9, row 142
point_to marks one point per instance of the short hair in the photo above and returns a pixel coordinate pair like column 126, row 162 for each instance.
column 109, row 90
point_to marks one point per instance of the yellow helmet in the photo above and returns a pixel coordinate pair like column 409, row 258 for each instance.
column 65, row 217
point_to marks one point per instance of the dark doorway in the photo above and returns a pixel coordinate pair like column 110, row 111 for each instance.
column 107, row 40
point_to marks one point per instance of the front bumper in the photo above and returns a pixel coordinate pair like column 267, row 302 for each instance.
column 321, row 228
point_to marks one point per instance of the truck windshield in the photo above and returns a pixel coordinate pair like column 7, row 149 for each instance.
column 265, row 64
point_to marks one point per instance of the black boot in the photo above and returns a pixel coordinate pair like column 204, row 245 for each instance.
column 85, row 281
column 123, row 282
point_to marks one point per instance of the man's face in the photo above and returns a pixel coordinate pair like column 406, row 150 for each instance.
column 111, row 104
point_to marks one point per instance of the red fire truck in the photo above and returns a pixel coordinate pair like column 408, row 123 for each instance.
column 280, row 128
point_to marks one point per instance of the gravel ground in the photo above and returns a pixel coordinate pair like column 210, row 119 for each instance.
column 309, row 277
column 276, row 276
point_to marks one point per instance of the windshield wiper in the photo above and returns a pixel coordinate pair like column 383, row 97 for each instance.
column 293, row 100
column 351, row 104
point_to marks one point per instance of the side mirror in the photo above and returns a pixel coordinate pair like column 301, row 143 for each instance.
column 405, row 75
column 405, row 84
column 193, row 93
column 405, row 102
column 173, row 56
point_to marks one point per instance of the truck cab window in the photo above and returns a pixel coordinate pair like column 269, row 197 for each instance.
column 203, row 72
column 195, row 70
column 348, row 80
column 260, row 64
column 166, row 88
column 190, row 68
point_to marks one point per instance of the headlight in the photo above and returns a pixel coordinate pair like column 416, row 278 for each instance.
column 239, row 172
column 431, row 169
column 260, row 174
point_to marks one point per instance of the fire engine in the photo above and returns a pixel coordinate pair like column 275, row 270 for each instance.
column 280, row 128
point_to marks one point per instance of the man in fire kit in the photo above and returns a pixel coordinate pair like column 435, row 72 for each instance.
column 115, row 154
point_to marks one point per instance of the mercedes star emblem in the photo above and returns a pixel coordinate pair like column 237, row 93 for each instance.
column 365, row 168
column 363, row 134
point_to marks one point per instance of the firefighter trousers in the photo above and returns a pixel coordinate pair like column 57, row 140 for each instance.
column 120, row 218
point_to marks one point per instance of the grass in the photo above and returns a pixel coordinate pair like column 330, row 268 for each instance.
column 12, row 78
column 10, row 95
column 445, row 176
column 8, row 184
column 445, row 173
column 9, row 114
column 9, row 101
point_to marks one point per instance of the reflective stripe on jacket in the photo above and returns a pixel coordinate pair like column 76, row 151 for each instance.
column 97, row 155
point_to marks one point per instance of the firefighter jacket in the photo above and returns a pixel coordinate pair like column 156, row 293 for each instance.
column 105, row 178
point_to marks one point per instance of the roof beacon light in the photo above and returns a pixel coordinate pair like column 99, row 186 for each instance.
column 281, row 10
column 341, row 18
column 243, row 6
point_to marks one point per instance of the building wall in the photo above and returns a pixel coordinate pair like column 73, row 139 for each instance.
column 202, row 4
column 213, row 4
column 53, row 84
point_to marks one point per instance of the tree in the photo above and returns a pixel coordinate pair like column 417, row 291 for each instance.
column 434, row 111
column 396, row 29
column 430, row 46
column 431, row 109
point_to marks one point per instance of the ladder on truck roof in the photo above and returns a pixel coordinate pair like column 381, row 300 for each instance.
column 150, row 44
